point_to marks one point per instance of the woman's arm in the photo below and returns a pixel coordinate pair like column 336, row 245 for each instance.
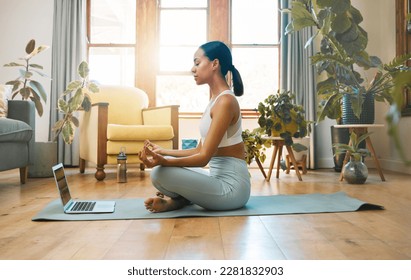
column 174, row 153
column 222, row 116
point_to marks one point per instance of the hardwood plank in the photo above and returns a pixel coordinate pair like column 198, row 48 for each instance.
column 195, row 239
column 352, row 235
column 247, row 238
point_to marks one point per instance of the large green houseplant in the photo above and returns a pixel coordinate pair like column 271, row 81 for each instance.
column 25, row 84
column 343, row 58
column 73, row 99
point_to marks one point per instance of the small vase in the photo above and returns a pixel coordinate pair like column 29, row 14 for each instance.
column 355, row 171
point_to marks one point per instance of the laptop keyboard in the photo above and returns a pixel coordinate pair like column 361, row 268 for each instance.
column 84, row 206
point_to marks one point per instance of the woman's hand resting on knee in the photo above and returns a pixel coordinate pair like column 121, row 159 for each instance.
column 149, row 157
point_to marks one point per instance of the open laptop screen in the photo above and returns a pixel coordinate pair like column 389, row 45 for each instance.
column 61, row 181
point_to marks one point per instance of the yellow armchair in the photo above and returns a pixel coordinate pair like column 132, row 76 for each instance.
column 120, row 117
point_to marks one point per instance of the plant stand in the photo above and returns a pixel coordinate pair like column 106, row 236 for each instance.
column 278, row 144
column 361, row 129
column 300, row 163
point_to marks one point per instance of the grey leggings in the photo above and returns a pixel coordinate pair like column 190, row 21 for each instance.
column 226, row 186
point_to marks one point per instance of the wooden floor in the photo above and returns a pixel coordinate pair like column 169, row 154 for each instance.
column 380, row 235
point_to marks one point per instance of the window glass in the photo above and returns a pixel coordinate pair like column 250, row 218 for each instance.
column 183, row 3
column 259, row 71
column 112, row 66
column 182, row 90
column 255, row 48
column 254, row 22
column 113, row 21
column 176, row 59
column 183, row 27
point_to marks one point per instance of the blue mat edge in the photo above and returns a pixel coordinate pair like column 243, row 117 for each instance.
column 326, row 203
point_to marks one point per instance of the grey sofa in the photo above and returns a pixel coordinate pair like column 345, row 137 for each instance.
column 17, row 137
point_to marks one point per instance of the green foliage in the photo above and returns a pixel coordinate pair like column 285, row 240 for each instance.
column 342, row 54
column 353, row 147
column 342, row 51
column 25, row 84
column 280, row 116
column 74, row 98
column 255, row 146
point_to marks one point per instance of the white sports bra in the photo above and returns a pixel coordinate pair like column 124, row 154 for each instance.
column 233, row 134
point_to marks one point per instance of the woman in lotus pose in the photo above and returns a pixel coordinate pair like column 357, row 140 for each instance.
column 227, row 184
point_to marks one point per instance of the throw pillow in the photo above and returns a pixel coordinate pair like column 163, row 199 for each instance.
column 5, row 91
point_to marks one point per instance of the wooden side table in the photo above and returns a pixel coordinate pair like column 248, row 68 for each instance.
column 278, row 144
column 360, row 129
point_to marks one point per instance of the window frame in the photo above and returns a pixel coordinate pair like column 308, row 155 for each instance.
column 107, row 45
column 179, row 73
column 219, row 15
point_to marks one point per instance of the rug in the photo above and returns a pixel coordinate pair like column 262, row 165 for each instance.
column 133, row 208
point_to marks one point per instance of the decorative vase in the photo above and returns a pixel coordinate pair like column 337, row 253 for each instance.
column 367, row 112
column 355, row 171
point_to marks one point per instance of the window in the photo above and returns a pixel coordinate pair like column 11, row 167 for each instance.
column 182, row 28
column 255, row 48
column 112, row 38
column 150, row 44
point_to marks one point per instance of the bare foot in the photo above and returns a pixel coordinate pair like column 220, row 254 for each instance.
column 159, row 204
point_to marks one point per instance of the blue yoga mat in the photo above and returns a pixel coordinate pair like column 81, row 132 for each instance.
column 133, row 208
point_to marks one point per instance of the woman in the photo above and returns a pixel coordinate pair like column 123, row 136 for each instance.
column 227, row 184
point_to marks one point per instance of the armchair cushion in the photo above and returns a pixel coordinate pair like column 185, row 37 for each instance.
column 116, row 132
column 14, row 131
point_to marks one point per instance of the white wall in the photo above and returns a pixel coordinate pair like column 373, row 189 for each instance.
column 20, row 21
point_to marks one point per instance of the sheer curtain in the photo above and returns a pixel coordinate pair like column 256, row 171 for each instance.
column 297, row 73
column 68, row 50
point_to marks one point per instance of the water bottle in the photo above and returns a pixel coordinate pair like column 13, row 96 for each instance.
column 122, row 166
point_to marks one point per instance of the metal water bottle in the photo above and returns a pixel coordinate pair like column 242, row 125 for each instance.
column 122, row 166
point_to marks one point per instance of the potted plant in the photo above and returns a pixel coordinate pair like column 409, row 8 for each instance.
column 255, row 146
column 355, row 171
column 280, row 117
column 25, row 84
column 74, row 98
column 43, row 155
column 344, row 95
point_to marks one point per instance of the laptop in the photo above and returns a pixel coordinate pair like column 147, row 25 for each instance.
column 71, row 206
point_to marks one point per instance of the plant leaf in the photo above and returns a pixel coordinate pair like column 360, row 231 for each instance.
column 62, row 105
column 30, row 46
column 13, row 64
column 76, row 101
column 37, row 104
column 36, row 66
column 83, row 69
column 68, row 132
column 38, row 89
column 301, row 17
column 25, row 93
